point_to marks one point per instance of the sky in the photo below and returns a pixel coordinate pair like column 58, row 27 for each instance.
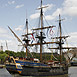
column 13, row 13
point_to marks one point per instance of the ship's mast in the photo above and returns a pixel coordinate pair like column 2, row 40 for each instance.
column 41, row 37
column 26, row 39
column 27, row 34
column 60, row 38
column 60, row 44
column 41, row 14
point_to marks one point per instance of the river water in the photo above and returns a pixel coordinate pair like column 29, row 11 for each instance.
column 72, row 72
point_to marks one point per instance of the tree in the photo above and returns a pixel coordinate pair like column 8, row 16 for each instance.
column 3, row 57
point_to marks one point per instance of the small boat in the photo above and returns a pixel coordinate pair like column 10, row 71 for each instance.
column 73, row 62
column 2, row 65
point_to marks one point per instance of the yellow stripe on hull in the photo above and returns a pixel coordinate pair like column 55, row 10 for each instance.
column 19, row 72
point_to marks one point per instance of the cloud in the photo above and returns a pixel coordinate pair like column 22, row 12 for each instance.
column 19, row 28
column 70, row 7
column 72, row 40
column 73, row 37
column 11, row 2
column 2, row 30
column 54, row 15
column 4, row 33
column 36, row 15
column 49, row 7
column 5, row 36
column 8, row 3
column 19, row 6
column 12, row 44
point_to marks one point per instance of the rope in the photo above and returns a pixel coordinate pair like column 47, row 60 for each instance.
column 52, row 50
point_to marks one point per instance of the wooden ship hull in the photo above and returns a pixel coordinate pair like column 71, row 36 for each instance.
column 27, row 68
column 41, row 71
column 12, row 69
column 12, row 66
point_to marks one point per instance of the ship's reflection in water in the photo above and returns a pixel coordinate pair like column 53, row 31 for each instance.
column 41, row 76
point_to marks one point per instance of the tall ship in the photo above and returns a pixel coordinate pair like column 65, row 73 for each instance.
column 35, row 67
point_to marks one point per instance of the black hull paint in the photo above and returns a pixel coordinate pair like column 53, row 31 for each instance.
column 36, row 71
column 11, row 68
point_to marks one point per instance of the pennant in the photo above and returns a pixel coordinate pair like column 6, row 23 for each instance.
column 51, row 31
column 33, row 36
column 47, row 31
column 31, row 41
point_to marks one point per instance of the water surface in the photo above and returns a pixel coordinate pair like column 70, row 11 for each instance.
column 72, row 72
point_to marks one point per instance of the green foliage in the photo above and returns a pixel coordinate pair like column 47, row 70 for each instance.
column 10, row 53
column 3, row 56
column 15, row 54
column 20, row 54
column 45, row 56
column 36, row 55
